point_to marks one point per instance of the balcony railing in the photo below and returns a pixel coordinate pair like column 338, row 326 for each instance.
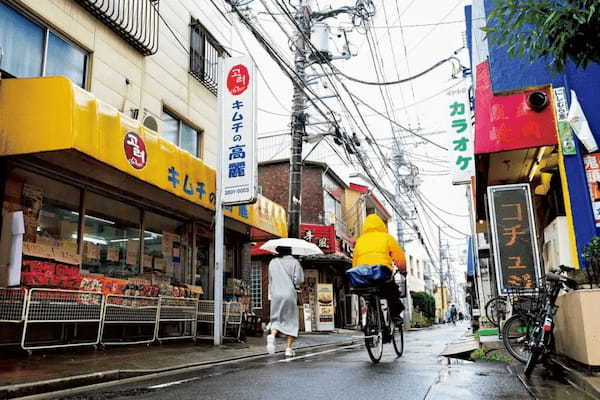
column 136, row 21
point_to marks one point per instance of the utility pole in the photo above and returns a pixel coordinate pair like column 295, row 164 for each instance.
column 441, row 268
column 298, row 122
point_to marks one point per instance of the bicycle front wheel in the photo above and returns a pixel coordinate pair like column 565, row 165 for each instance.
column 531, row 361
column 398, row 338
column 515, row 336
column 374, row 332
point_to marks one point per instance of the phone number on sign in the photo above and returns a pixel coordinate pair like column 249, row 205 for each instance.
column 236, row 191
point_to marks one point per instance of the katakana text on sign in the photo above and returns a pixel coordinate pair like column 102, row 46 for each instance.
column 515, row 248
column 238, row 111
column 461, row 147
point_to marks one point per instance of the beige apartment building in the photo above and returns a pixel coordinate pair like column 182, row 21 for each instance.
column 132, row 54
column 108, row 152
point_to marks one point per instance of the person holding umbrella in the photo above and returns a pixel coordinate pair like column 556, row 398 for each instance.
column 285, row 274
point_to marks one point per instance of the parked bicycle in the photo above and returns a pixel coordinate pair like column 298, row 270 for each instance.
column 377, row 324
column 541, row 339
column 529, row 335
column 496, row 310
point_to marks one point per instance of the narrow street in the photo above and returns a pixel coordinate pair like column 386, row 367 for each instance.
column 343, row 374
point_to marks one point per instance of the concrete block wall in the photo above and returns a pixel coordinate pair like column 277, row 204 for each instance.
column 157, row 81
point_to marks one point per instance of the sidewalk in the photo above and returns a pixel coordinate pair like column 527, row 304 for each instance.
column 560, row 382
column 46, row 371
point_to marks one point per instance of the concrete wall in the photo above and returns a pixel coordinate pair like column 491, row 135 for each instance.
column 155, row 81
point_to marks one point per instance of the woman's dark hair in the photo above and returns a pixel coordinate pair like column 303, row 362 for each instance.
column 283, row 250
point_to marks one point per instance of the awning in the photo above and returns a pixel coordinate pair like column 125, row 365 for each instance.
column 52, row 114
column 505, row 122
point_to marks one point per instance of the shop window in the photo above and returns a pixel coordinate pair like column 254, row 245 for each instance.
column 50, row 209
column 28, row 49
column 165, row 250
column 181, row 134
column 256, row 285
column 111, row 238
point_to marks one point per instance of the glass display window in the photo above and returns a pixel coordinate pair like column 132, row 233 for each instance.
column 50, row 209
column 111, row 240
column 165, row 250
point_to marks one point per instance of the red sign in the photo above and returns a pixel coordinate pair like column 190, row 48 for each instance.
column 321, row 235
column 238, row 79
column 505, row 122
column 135, row 150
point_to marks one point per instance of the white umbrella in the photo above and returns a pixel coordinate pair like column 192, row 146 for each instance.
column 299, row 247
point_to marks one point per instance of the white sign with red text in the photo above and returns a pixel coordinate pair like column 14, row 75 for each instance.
column 238, row 122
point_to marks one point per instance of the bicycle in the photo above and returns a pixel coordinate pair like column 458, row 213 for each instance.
column 541, row 338
column 377, row 324
column 525, row 304
column 496, row 310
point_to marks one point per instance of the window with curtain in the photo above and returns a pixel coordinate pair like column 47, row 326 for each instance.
column 29, row 49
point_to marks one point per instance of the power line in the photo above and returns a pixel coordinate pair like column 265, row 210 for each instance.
column 410, row 78
column 397, row 124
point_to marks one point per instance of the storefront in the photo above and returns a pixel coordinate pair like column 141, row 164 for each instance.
column 110, row 207
column 325, row 297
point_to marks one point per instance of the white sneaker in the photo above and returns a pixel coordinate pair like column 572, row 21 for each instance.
column 271, row 344
column 289, row 352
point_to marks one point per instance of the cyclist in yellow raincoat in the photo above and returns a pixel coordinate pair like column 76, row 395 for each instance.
column 377, row 247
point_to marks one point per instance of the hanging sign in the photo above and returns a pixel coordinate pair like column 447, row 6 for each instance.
column 513, row 233
column 565, row 132
column 461, row 148
column 238, row 124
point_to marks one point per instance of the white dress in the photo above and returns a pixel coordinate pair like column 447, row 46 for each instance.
column 285, row 273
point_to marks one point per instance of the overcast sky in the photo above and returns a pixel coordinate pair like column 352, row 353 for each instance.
column 403, row 52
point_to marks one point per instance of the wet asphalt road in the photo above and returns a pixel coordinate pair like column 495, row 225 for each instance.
column 343, row 374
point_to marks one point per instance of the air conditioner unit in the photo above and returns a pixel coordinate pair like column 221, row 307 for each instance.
column 557, row 247
column 151, row 121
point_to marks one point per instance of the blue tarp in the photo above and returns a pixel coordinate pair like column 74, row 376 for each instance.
column 470, row 257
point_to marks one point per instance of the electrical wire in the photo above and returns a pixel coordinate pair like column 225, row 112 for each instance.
column 397, row 82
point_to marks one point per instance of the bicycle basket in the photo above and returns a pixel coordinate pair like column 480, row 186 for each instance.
column 366, row 275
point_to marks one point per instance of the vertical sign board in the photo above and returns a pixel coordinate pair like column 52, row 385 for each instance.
column 238, row 124
column 461, row 146
column 325, row 310
column 514, row 237
column 592, row 173
column 564, row 127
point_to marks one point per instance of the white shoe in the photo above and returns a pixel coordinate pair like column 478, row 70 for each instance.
column 271, row 344
column 289, row 352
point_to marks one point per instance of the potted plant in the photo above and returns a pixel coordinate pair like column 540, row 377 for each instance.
column 591, row 255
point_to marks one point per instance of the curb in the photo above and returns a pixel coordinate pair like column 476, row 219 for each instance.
column 106, row 377
column 577, row 379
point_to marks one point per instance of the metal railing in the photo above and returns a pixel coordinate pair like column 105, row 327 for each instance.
column 177, row 311
column 205, row 51
column 84, row 318
column 57, row 306
column 130, row 310
column 136, row 21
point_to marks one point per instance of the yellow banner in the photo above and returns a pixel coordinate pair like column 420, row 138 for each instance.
column 50, row 114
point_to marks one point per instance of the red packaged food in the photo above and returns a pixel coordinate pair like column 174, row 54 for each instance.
column 62, row 269
column 42, row 267
column 36, row 279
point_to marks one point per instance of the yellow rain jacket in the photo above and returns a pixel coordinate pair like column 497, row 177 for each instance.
column 377, row 247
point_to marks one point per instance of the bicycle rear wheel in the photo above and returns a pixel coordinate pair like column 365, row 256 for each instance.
column 515, row 336
column 374, row 331
column 495, row 310
column 398, row 338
